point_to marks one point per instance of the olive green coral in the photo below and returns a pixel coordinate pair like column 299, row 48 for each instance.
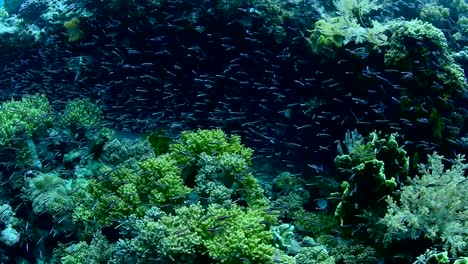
column 416, row 40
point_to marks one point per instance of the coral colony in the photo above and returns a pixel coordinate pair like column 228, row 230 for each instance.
column 233, row 131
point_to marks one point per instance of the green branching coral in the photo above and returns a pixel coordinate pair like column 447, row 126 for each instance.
column 218, row 166
column 433, row 205
column 160, row 237
column 24, row 117
column 371, row 170
column 233, row 234
column 435, row 14
column 225, row 177
column 212, row 142
column 97, row 251
column 226, row 234
column 119, row 151
column 81, row 113
column 128, row 189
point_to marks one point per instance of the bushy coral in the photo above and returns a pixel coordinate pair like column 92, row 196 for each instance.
column 433, row 205
column 315, row 254
column 225, row 177
column 313, row 223
column 226, row 234
column 9, row 235
column 353, row 253
column 160, row 237
column 24, row 118
column 121, row 150
column 97, row 251
column 81, row 113
column 31, row 10
column 127, row 190
column 233, row 234
column 435, row 14
column 211, row 142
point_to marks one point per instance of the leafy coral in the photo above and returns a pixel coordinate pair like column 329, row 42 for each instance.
column 371, row 170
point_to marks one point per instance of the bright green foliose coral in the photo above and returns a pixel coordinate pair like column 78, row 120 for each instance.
column 371, row 170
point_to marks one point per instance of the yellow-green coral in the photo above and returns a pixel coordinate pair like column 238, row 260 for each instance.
column 128, row 190
column 81, row 113
column 24, row 117
column 225, row 234
column 234, row 234
column 211, row 142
